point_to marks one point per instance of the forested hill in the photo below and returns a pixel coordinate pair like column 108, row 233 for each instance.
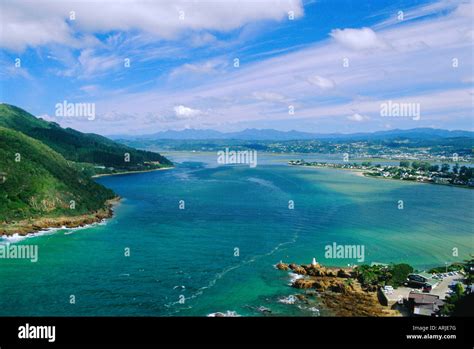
column 77, row 146
column 45, row 173
column 37, row 181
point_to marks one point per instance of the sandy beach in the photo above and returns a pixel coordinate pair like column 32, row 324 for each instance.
column 131, row 172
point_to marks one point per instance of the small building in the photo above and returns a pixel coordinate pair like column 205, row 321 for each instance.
column 422, row 304
column 422, row 280
column 441, row 180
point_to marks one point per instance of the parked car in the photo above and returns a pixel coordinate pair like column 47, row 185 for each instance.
column 427, row 288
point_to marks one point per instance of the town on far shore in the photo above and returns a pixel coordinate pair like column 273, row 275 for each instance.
column 417, row 170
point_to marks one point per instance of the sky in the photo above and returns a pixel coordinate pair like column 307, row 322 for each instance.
column 310, row 65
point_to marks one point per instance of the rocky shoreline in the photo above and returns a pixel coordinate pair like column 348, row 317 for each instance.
column 35, row 225
column 337, row 289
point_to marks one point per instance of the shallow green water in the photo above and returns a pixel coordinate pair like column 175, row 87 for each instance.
column 191, row 252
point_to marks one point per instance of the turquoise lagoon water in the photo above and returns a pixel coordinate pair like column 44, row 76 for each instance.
column 190, row 254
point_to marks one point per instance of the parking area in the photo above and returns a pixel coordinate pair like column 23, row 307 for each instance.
column 443, row 287
column 440, row 290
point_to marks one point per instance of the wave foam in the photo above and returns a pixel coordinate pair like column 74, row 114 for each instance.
column 288, row 300
column 228, row 313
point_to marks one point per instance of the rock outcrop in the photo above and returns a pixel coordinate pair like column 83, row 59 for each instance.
column 282, row 266
column 297, row 269
column 338, row 290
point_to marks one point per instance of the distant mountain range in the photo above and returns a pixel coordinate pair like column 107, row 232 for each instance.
column 275, row 135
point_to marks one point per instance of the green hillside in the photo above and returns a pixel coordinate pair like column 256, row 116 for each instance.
column 80, row 147
column 37, row 181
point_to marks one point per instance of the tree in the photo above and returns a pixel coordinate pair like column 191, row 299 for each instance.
column 404, row 163
column 466, row 173
column 445, row 168
column 434, row 168
column 459, row 290
column 456, row 168
column 400, row 273
column 420, row 165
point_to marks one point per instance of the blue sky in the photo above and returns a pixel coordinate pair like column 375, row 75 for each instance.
column 319, row 66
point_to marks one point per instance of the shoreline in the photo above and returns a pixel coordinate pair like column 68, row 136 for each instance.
column 34, row 226
column 337, row 290
column 131, row 172
column 362, row 173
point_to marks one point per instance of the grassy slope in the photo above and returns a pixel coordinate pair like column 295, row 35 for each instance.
column 43, row 182
column 78, row 146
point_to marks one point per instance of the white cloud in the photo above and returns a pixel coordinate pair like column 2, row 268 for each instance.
column 10, row 71
column 208, row 67
column 411, row 71
column 90, row 89
column 358, row 117
column 358, row 39
column 202, row 39
column 419, row 12
column 26, row 23
column 321, row 82
column 400, row 74
column 94, row 64
column 183, row 112
column 23, row 27
column 91, row 64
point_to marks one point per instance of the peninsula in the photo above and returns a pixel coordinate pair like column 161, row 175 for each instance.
column 46, row 170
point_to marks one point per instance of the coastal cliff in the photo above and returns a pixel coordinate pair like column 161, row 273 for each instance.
column 337, row 289
column 34, row 225
column 46, row 170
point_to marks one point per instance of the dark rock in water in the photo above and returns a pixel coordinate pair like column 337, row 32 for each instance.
column 302, row 298
column 297, row 269
column 282, row 266
column 312, row 270
column 304, row 283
